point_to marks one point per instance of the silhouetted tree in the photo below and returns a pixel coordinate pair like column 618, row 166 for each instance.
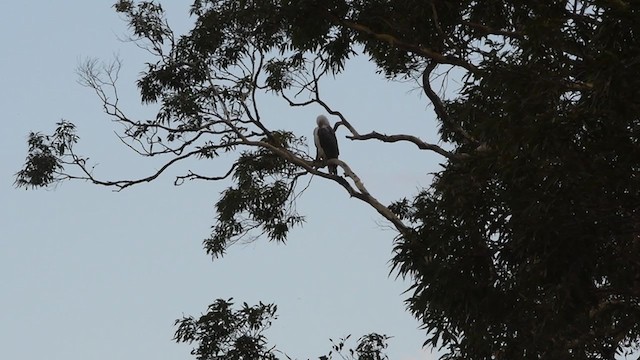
column 526, row 244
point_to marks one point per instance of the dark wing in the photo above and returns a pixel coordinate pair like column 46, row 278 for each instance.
column 328, row 142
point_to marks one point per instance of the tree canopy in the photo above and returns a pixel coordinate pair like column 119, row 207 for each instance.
column 525, row 245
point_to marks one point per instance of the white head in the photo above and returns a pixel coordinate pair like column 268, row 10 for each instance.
column 322, row 121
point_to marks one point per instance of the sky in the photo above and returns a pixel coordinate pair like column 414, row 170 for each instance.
column 89, row 273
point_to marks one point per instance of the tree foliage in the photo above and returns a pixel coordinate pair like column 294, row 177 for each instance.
column 223, row 333
column 526, row 243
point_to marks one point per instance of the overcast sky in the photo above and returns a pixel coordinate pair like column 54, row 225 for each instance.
column 90, row 274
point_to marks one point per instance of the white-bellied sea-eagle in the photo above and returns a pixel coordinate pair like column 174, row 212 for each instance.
column 326, row 143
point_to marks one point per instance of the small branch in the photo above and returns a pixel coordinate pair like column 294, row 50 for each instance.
column 193, row 176
column 123, row 184
column 343, row 120
column 438, row 105
column 327, row 108
column 419, row 143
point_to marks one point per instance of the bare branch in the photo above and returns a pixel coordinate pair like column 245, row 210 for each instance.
column 193, row 176
column 410, row 138
column 123, row 184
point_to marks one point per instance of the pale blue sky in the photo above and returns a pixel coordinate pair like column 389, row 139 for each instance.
column 86, row 273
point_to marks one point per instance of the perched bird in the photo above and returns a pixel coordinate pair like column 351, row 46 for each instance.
column 326, row 142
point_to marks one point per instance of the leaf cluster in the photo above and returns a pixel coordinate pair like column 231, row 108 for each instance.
column 368, row 347
column 229, row 334
column 45, row 156
column 226, row 333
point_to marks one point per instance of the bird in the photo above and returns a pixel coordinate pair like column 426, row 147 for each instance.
column 326, row 143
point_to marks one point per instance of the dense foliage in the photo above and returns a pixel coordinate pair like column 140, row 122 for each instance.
column 525, row 245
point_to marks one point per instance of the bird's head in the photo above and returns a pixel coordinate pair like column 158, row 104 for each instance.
column 322, row 121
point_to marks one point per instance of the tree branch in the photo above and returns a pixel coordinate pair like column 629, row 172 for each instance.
column 438, row 105
column 362, row 193
column 415, row 140
column 193, row 176
column 123, row 184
